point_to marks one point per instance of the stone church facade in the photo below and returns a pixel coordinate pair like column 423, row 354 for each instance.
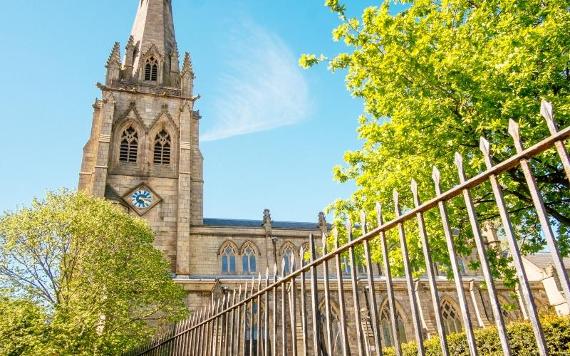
column 144, row 154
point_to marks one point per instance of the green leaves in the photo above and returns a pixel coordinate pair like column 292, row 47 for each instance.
column 91, row 271
column 309, row 60
column 434, row 79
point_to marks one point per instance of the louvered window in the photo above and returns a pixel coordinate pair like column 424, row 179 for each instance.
column 129, row 146
column 151, row 70
column 162, row 148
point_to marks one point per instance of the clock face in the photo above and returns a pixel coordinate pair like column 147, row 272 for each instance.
column 142, row 198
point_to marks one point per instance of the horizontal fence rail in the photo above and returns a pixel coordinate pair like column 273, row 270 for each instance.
column 329, row 305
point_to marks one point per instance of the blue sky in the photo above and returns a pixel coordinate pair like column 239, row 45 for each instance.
column 271, row 131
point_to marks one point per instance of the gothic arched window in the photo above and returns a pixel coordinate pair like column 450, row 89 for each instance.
column 129, row 146
column 248, row 260
column 162, row 147
column 451, row 320
column 228, row 259
column 288, row 253
column 386, row 327
column 151, row 69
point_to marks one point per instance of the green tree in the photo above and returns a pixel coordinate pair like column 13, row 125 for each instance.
column 85, row 273
column 436, row 77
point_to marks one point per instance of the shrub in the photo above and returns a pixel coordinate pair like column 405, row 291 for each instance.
column 521, row 339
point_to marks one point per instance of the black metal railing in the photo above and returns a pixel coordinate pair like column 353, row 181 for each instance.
column 290, row 315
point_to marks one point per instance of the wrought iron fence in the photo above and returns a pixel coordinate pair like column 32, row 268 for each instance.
column 262, row 318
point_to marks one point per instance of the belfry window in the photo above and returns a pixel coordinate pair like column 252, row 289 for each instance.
column 129, row 146
column 162, row 148
column 151, row 69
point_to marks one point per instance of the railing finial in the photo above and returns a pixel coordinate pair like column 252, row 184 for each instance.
column 514, row 131
column 336, row 237
column 458, row 161
column 379, row 218
column 546, row 111
column 363, row 221
column 396, row 197
column 484, row 146
column 435, row 175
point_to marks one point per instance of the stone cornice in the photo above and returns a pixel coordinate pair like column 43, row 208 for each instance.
column 250, row 231
column 126, row 88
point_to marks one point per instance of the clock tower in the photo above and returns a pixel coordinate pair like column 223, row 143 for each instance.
column 143, row 152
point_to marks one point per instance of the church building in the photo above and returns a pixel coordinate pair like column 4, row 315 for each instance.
column 143, row 153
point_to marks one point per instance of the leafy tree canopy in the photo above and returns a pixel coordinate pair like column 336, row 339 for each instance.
column 80, row 276
column 436, row 77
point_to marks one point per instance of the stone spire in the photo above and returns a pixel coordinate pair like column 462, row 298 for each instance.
column 187, row 76
column 115, row 56
column 114, row 64
column 153, row 30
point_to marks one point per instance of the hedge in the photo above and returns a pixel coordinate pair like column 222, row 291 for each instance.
column 521, row 339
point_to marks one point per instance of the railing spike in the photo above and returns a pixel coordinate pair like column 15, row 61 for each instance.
column 378, row 212
column 348, row 225
column 484, row 146
column 396, row 196
column 414, row 187
column 459, row 161
column 436, row 175
column 282, row 267
column 336, row 238
column 324, row 241
column 514, row 130
column 546, row 111
column 292, row 267
column 363, row 221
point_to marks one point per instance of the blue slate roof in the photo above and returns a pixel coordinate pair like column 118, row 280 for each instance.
column 258, row 223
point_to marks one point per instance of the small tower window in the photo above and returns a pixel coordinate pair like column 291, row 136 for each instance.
column 162, row 148
column 129, row 146
column 151, row 70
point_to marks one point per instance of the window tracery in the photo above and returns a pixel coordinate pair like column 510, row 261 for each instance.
column 129, row 146
column 248, row 260
column 228, row 259
column 288, row 253
column 386, row 327
column 162, row 148
column 451, row 320
column 151, row 69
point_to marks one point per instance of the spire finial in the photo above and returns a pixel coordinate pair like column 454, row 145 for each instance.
column 187, row 66
column 115, row 56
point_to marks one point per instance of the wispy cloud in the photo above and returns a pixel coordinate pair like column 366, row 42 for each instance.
column 262, row 87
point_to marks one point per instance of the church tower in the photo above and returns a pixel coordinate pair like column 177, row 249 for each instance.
column 143, row 152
